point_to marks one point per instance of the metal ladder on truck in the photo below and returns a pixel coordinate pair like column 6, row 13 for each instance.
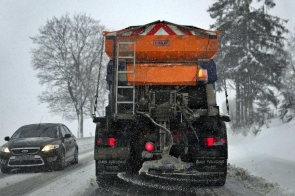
column 126, row 114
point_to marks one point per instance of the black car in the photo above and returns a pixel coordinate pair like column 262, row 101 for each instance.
column 49, row 145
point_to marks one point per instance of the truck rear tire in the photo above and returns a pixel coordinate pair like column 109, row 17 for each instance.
column 214, row 166
column 135, row 165
column 222, row 177
column 105, row 180
column 223, row 170
column 135, row 161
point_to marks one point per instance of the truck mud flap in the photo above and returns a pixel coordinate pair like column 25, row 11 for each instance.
column 111, row 166
column 211, row 165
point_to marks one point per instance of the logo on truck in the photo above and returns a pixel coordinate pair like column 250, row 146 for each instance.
column 161, row 42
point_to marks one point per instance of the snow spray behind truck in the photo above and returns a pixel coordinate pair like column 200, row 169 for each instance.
column 162, row 117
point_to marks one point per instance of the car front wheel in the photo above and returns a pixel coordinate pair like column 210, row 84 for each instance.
column 5, row 169
column 75, row 161
column 61, row 161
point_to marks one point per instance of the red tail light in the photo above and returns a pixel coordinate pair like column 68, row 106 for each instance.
column 112, row 141
column 98, row 142
column 149, row 146
column 213, row 141
column 106, row 141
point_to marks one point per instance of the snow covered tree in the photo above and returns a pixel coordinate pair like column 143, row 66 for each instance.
column 263, row 110
column 67, row 60
column 288, row 88
column 251, row 51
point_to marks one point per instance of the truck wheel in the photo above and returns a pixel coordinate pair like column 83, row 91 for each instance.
column 105, row 180
column 135, row 161
column 222, row 177
column 221, row 181
column 135, row 165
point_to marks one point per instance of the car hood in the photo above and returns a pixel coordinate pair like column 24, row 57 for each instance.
column 29, row 142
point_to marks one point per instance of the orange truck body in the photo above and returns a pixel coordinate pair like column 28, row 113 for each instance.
column 165, row 53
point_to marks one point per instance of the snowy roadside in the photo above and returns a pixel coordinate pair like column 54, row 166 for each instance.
column 85, row 141
column 76, row 183
column 257, row 184
column 73, row 180
column 268, row 160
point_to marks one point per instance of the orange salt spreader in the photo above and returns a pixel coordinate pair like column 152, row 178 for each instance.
column 162, row 53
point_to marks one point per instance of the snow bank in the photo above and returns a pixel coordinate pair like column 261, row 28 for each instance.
column 269, row 155
column 255, row 183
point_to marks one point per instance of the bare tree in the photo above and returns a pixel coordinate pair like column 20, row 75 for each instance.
column 67, row 61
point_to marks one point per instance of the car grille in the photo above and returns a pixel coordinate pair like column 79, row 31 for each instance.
column 26, row 160
column 23, row 151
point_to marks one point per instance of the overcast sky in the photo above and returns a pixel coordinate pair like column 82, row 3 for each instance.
column 20, row 19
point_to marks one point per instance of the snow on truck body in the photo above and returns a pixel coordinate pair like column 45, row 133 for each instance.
column 162, row 115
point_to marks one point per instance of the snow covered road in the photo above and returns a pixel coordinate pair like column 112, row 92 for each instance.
column 80, row 180
column 70, row 181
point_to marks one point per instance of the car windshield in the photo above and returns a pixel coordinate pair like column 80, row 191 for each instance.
column 36, row 131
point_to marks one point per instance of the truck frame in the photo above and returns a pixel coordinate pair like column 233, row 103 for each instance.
column 162, row 117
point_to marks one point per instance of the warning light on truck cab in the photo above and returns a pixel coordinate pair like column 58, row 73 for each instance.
column 203, row 75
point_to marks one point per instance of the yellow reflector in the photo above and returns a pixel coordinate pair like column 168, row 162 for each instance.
column 203, row 75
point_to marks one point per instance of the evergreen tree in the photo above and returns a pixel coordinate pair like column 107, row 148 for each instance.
column 263, row 110
column 250, row 52
column 288, row 87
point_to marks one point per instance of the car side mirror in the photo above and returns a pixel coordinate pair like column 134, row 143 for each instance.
column 68, row 135
column 7, row 138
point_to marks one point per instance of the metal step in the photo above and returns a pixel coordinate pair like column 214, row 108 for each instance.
column 132, row 72
column 121, row 115
column 126, row 57
column 125, row 86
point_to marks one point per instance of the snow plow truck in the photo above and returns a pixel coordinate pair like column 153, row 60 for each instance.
column 162, row 117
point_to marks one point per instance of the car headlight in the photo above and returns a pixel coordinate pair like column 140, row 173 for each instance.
column 5, row 149
column 50, row 147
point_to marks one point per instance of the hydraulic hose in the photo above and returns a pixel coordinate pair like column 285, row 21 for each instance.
column 189, row 123
column 168, row 147
column 98, row 78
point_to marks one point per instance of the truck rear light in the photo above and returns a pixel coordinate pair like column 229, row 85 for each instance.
column 111, row 141
column 203, row 75
column 149, row 146
column 213, row 141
